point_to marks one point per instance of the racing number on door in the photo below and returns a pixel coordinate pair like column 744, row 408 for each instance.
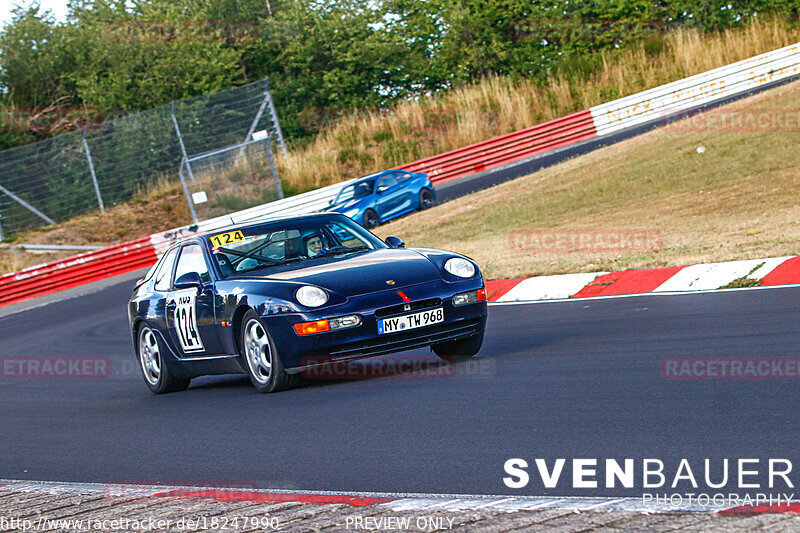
column 186, row 322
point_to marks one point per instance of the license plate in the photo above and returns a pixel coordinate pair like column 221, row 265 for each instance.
column 412, row 321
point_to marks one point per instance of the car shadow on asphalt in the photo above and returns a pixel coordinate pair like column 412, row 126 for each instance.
column 406, row 367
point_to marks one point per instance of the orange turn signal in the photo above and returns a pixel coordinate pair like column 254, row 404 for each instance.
column 309, row 328
column 481, row 294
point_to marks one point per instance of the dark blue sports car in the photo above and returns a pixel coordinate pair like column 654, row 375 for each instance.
column 384, row 196
column 276, row 298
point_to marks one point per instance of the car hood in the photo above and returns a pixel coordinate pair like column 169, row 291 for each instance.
column 362, row 273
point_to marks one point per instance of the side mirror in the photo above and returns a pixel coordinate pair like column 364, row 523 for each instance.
column 330, row 202
column 190, row 280
column 395, row 242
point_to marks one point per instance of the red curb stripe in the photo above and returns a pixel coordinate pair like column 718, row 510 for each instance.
column 496, row 288
column 786, row 273
column 269, row 497
column 749, row 510
column 627, row 282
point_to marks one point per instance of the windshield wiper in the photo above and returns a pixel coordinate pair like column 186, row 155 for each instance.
column 273, row 264
column 341, row 250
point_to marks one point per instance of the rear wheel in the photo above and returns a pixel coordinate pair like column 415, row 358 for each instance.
column 459, row 350
column 370, row 219
column 262, row 360
column 426, row 200
column 156, row 373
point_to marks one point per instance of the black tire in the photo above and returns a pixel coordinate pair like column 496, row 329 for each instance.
column 459, row 350
column 261, row 359
column 426, row 200
column 371, row 219
column 157, row 375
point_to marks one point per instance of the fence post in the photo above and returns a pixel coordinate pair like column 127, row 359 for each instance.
column 275, row 119
column 260, row 112
column 274, row 169
column 91, row 170
column 184, row 161
column 27, row 206
column 186, row 192
column 1, row 229
column 180, row 141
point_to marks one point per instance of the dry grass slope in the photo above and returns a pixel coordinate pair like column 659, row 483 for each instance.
column 736, row 200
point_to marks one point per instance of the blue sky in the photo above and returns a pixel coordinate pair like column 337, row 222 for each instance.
column 58, row 7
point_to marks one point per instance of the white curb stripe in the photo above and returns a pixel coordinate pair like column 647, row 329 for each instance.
column 549, row 287
column 715, row 275
column 588, row 299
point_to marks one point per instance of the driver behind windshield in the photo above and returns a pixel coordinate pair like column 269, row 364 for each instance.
column 313, row 244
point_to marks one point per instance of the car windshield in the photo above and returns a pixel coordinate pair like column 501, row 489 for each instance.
column 362, row 189
column 280, row 243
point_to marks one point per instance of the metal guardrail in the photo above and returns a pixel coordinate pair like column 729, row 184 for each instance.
column 300, row 204
column 53, row 247
column 78, row 270
column 667, row 101
column 507, row 148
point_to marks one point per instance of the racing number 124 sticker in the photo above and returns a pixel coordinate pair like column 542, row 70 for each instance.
column 186, row 321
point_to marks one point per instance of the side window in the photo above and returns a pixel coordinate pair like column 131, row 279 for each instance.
column 192, row 260
column 404, row 176
column 387, row 182
column 165, row 271
column 347, row 237
column 364, row 189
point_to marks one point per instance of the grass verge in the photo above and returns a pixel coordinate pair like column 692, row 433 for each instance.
column 735, row 200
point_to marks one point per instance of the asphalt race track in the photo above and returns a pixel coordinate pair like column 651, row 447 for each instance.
column 575, row 379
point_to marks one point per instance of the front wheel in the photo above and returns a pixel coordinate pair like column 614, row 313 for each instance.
column 156, row 373
column 370, row 219
column 459, row 350
column 263, row 363
column 426, row 200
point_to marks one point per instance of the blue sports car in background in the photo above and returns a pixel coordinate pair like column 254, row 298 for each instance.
column 277, row 298
column 381, row 197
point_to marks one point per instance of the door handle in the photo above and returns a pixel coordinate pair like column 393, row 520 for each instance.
column 171, row 305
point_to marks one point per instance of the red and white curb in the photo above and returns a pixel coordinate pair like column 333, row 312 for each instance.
column 390, row 501
column 750, row 273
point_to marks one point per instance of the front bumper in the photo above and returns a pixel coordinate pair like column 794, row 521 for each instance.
column 299, row 352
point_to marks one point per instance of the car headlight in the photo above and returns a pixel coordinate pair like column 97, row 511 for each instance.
column 310, row 296
column 460, row 267
column 351, row 213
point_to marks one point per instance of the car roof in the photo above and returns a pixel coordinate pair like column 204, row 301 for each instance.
column 271, row 221
column 377, row 174
column 208, row 234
